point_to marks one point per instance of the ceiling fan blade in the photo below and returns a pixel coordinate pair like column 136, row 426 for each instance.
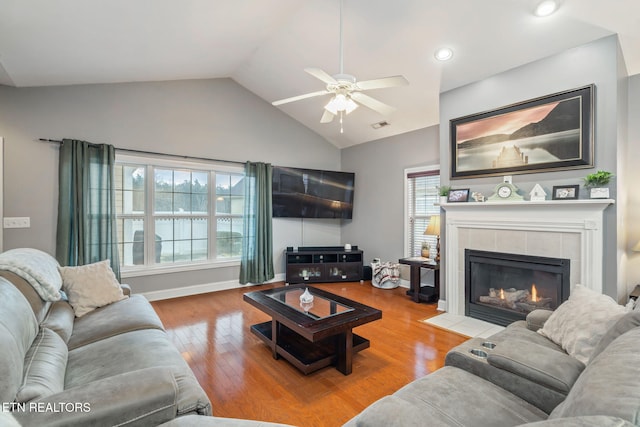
column 392, row 81
column 299, row 97
column 327, row 117
column 372, row 103
column 321, row 75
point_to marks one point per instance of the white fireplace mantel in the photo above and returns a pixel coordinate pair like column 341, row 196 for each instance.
column 554, row 228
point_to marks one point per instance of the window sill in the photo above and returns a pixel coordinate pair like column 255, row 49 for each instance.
column 153, row 270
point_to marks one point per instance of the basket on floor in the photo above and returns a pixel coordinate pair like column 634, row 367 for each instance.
column 385, row 275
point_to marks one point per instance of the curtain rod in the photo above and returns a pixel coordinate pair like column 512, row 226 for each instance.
column 128, row 150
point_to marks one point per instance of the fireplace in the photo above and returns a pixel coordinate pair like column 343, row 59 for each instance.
column 502, row 288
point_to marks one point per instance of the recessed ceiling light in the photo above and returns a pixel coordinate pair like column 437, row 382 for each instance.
column 443, row 54
column 546, row 8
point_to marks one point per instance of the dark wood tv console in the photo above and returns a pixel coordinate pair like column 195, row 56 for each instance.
column 315, row 264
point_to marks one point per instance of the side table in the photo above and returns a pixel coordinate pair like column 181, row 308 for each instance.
column 426, row 293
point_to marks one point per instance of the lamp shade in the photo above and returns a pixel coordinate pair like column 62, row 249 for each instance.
column 433, row 227
column 340, row 102
column 636, row 247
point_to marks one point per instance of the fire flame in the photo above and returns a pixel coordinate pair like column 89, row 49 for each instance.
column 501, row 293
column 534, row 293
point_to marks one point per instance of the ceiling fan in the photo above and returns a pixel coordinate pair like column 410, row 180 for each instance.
column 346, row 90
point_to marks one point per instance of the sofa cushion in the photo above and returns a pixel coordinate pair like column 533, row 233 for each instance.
column 519, row 330
column 131, row 314
column 578, row 323
column 592, row 421
column 537, row 318
column 609, row 384
column 541, row 396
column 18, row 329
column 44, row 367
column 625, row 323
column 449, row 397
column 7, row 420
column 132, row 351
column 142, row 398
column 90, row 286
column 36, row 267
column 60, row 319
column 538, row 364
column 202, row 421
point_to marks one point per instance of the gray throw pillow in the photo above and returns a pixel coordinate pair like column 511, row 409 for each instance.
column 624, row 324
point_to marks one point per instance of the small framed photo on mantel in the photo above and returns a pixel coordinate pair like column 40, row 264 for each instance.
column 461, row 195
column 565, row 192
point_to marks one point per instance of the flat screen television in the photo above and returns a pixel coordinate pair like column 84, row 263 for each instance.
column 310, row 193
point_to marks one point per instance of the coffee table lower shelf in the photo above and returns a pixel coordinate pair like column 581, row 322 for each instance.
column 305, row 355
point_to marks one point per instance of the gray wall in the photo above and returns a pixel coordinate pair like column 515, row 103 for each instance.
column 595, row 63
column 206, row 118
column 631, row 233
column 622, row 183
column 378, row 216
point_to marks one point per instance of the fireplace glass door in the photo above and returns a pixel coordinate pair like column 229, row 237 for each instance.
column 501, row 288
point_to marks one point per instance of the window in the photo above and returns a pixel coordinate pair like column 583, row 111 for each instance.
column 192, row 210
column 422, row 200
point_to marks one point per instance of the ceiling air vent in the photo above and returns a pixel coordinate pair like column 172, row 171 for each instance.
column 380, row 124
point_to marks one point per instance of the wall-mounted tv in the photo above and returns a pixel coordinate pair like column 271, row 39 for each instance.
column 310, row 193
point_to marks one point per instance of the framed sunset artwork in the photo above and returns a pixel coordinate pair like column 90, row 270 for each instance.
column 547, row 133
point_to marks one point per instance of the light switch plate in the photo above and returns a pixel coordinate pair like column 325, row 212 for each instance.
column 17, row 222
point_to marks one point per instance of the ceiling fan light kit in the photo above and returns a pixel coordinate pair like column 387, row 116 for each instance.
column 347, row 91
column 340, row 103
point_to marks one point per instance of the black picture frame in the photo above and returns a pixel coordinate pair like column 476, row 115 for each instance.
column 553, row 132
column 458, row 195
column 565, row 192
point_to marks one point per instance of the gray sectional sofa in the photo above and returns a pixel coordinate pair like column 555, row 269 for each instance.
column 112, row 366
column 519, row 377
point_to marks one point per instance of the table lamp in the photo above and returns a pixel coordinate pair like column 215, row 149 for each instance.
column 433, row 228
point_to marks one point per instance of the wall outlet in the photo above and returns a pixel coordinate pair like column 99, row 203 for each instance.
column 17, row 222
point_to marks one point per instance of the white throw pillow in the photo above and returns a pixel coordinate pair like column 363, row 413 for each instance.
column 90, row 286
column 578, row 324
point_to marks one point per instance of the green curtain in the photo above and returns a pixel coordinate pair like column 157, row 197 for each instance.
column 87, row 228
column 256, row 265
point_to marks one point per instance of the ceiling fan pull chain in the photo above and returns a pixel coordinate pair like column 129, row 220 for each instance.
column 341, row 129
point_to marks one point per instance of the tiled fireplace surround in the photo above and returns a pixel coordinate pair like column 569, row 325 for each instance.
column 564, row 229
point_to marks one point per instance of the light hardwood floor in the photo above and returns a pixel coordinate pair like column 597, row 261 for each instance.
column 243, row 380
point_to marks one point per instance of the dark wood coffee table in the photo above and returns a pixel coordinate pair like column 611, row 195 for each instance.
column 316, row 338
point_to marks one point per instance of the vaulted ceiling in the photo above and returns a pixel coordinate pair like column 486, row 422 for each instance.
column 265, row 45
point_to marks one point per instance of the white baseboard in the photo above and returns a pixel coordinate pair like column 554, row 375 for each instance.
column 200, row 289
column 442, row 305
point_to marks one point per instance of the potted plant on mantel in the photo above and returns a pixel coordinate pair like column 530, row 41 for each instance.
column 597, row 184
column 444, row 193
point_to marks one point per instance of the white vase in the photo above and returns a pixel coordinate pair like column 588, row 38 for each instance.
column 306, row 297
column 599, row 193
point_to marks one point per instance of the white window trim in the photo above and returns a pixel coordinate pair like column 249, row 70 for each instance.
column 177, row 163
column 155, row 269
column 408, row 171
